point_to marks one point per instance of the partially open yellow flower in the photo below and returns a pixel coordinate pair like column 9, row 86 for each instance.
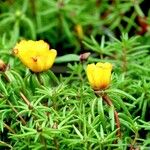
column 99, row 75
column 35, row 55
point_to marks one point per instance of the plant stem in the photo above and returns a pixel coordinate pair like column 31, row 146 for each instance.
column 101, row 55
column 33, row 6
column 106, row 98
column 56, row 143
column 134, row 141
column 9, row 128
column 5, row 144
column 109, row 102
column 43, row 141
column 26, row 100
column 55, row 126
column 22, row 120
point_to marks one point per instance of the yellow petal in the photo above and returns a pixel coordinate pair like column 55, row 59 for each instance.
column 50, row 58
column 106, row 73
column 104, row 65
column 98, row 78
column 89, row 72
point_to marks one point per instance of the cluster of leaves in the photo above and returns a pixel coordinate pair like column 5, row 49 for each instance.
column 44, row 111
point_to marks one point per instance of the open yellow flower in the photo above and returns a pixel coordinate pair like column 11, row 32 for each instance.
column 99, row 75
column 36, row 55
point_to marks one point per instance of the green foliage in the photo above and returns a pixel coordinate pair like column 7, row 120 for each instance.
column 61, row 111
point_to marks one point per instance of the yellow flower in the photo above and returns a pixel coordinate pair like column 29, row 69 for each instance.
column 35, row 55
column 79, row 31
column 99, row 75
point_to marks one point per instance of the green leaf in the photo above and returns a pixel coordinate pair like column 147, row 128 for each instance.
column 67, row 58
column 101, row 111
column 123, row 106
column 111, row 117
column 102, row 132
column 53, row 77
column 121, row 93
column 78, row 132
column 2, row 87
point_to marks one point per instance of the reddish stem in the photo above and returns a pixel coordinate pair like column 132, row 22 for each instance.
column 109, row 102
column 106, row 98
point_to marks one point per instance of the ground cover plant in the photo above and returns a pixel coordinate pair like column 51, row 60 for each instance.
column 74, row 75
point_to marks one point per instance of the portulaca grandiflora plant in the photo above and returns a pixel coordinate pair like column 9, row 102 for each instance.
column 98, row 104
column 71, row 78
